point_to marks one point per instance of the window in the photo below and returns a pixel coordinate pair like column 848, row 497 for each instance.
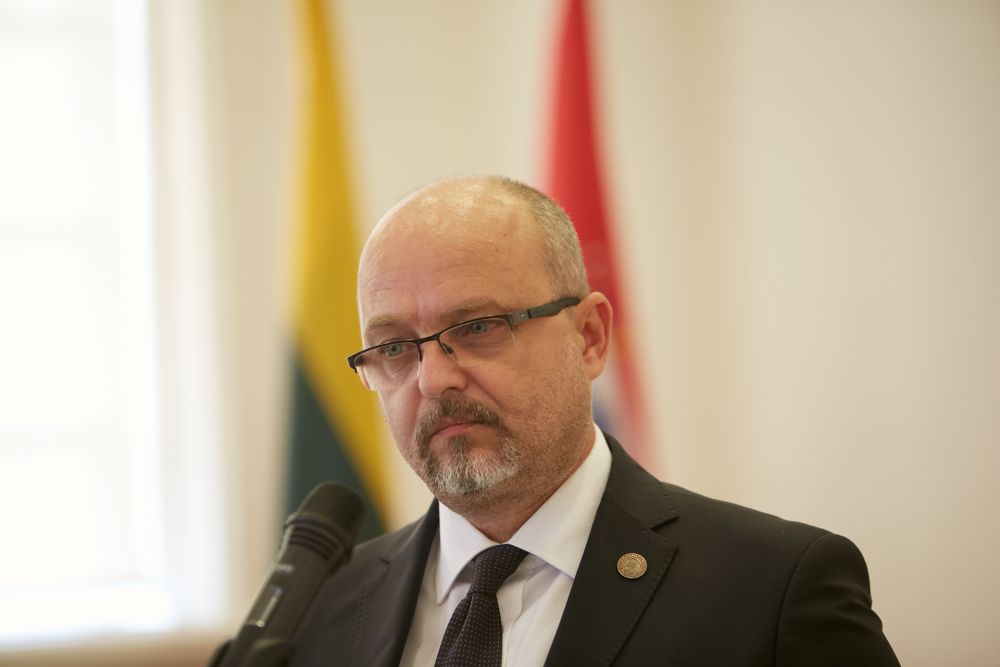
column 85, row 479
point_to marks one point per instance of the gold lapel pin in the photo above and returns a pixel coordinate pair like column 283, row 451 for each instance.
column 631, row 565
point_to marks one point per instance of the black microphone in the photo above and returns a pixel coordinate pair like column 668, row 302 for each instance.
column 317, row 541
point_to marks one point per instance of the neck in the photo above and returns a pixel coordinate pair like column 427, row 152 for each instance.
column 496, row 517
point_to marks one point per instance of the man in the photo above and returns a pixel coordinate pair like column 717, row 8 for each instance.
column 482, row 338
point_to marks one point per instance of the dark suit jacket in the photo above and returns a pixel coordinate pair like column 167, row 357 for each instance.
column 725, row 585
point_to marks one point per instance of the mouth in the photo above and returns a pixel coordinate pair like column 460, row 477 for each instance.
column 451, row 418
column 450, row 428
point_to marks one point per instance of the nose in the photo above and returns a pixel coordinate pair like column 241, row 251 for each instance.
column 439, row 372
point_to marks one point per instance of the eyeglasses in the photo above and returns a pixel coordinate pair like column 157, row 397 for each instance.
column 389, row 364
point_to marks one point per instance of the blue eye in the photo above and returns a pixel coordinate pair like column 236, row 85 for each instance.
column 392, row 349
column 480, row 327
column 478, row 333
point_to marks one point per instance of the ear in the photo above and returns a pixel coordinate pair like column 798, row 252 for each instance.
column 592, row 318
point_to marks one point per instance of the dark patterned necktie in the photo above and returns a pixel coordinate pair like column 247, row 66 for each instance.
column 474, row 634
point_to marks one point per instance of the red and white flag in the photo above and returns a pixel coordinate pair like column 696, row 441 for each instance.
column 574, row 180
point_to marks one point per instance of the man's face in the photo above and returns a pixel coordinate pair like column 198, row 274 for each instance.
column 516, row 423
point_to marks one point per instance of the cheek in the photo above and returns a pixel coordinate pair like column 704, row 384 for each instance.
column 529, row 398
column 564, row 384
column 399, row 414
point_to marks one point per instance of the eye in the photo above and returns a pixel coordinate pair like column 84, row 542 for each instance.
column 392, row 349
column 479, row 328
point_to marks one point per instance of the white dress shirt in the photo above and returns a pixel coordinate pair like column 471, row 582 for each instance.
column 532, row 600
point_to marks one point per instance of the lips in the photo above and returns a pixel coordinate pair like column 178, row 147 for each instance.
column 451, row 427
column 452, row 416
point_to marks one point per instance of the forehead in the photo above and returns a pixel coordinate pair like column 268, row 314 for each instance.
column 450, row 255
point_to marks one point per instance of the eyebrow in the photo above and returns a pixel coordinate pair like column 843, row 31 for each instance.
column 463, row 311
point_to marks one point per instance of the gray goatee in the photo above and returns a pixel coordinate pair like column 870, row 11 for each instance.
column 458, row 473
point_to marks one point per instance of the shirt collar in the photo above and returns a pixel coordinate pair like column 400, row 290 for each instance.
column 556, row 533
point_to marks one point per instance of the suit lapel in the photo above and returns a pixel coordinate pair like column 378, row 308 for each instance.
column 603, row 605
column 389, row 596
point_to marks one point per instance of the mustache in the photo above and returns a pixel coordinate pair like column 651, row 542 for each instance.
column 461, row 409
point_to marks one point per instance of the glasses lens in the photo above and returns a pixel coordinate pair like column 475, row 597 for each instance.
column 479, row 339
column 387, row 364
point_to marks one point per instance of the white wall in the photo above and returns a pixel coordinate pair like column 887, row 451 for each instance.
column 807, row 196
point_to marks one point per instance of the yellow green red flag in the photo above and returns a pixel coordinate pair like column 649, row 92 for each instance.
column 334, row 421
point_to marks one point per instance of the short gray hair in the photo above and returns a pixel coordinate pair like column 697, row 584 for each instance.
column 560, row 244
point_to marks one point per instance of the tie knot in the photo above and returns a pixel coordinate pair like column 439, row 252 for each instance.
column 493, row 566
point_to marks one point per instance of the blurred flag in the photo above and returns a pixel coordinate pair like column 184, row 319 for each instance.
column 334, row 427
column 574, row 180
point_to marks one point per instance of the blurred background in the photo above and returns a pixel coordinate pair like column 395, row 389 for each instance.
column 803, row 200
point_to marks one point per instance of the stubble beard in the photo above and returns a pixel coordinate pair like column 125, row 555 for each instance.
column 460, row 472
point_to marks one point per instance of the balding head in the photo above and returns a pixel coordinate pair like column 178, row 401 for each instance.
column 489, row 207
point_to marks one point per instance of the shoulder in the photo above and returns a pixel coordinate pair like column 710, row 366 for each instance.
column 720, row 545
column 720, row 522
column 695, row 521
column 811, row 585
column 796, row 592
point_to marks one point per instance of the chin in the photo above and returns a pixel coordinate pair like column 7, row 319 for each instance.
column 466, row 471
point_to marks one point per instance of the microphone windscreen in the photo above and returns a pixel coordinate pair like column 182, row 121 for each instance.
column 327, row 521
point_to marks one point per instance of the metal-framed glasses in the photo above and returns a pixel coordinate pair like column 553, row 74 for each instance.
column 482, row 338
